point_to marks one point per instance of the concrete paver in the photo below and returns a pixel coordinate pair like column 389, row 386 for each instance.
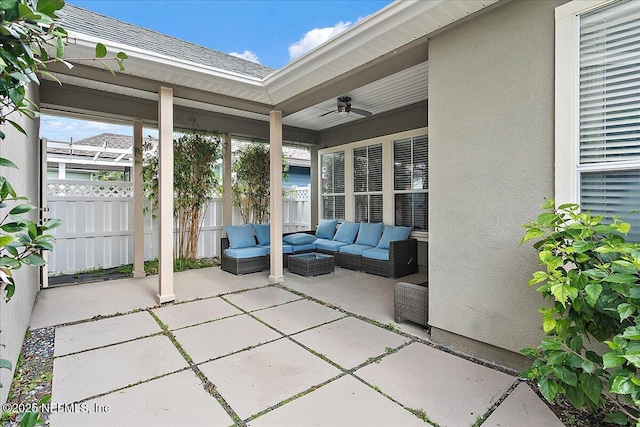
column 522, row 408
column 175, row 400
column 192, row 313
column 297, row 316
column 343, row 402
column 93, row 372
column 350, row 342
column 254, row 380
column 452, row 391
column 86, row 336
column 215, row 339
column 261, row 298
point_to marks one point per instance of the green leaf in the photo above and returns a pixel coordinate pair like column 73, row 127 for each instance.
column 547, row 219
column 549, row 388
column 626, row 310
column 122, row 55
column 631, row 333
column 616, row 418
column 624, row 227
column 582, row 246
column 634, row 359
column 17, row 126
column 566, row 376
column 7, row 163
column 620, row 278
column 591, row 386
column 5, row 240
column 593, row 292
column 13, row 227
column 22, row 208
column 34, row 260
column 49, row 7
column 550, row 344
column 622, row 266
column 562, row 291
column 575, row 395
column 101, row 50
column 621, row 383
column 611, row 359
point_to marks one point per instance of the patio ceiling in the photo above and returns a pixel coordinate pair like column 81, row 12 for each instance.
column 381, row 63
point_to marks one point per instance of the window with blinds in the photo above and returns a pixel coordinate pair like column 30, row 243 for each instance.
column 411, row 182
column 333, row 194
column 609, row 118
column 367, row 183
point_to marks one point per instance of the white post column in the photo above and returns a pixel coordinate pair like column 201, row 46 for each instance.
column 275, row 183
column 227, row 205
column 62, row 170
column 138, row 203
column 165, row 196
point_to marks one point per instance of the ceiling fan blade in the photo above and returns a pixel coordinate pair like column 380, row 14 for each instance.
column 361, row 112
column 328, row 112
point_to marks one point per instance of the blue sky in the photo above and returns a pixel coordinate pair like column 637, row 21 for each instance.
column 269, row 32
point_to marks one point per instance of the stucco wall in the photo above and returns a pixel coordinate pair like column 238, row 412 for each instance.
column 491, row 110
column 15, row 315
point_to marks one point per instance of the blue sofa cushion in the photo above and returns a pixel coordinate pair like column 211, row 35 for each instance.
column 286, row 249
column 263, row 233
column 326, row 228
column 304, row 248
column 369, row 233
column 347, row 232
column 240, row 236
column 246, row 252
column 376, row 253
column 299, row 239
column 393, row 233
column 354, row 249
column 329, row 245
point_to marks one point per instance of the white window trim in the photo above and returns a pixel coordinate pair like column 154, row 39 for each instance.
column 566, row 97
column 388, row 211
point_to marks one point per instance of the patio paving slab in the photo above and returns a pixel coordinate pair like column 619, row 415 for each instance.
column 192, row 313
column 93, row 372
column 175, row 400
column 452, row 391
column 343, row 402
column 90, row 335
column 261, row 298
column 254, row 380
column 210, row 340
column 350, row 342
column 298, row 316
column 523, row 408
column 212, row 281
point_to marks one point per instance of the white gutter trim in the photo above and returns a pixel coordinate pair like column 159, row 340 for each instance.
column 89, row 42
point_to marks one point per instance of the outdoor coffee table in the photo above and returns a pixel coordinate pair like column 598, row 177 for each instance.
column 311, row 264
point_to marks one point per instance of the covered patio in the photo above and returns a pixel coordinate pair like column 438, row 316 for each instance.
column 236, row 350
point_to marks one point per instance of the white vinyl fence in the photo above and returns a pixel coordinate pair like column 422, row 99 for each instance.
column 97, row 224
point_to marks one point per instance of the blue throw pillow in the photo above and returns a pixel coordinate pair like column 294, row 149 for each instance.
column 326, row 228
column 263, row 233
column 393, row 233
column 299, row 239
column 369, row 233
column 347, row 232
column 240, row 236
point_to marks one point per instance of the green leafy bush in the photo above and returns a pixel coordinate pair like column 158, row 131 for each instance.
column 591, row 276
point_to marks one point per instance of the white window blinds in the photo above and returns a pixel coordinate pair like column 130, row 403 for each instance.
column 333, row 195
column 609, row 118
column 367, row 183
column 411, row 182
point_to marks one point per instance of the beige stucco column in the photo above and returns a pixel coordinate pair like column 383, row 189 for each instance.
column 165, row 196
column 138, row 203
column 227, row 205
column 275, row 215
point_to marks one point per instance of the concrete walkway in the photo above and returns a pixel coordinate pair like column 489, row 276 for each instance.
column 247, row 353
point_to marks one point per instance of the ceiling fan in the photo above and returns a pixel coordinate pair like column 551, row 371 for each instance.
column 344, row 107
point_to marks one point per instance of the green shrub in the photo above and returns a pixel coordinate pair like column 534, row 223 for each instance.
column 592, row 278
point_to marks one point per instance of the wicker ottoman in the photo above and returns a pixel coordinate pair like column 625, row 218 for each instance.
column 411, row 302
column 311, row 264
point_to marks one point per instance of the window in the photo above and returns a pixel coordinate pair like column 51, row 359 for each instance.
column 367, row 183
column 599, row 137
column 411, row 182
column 333, row 194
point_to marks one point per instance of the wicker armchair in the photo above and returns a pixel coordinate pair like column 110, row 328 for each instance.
column 239, row 266
column 411, row 302
column 403, row 260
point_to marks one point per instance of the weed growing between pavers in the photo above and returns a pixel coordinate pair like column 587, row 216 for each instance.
column 482, row 418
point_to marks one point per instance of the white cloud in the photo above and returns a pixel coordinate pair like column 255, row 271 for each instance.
column 248, row 55
column 314, row 38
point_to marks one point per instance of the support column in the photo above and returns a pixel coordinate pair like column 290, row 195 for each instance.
column 62, row 170
column 227, row 205
column 138, row 203
column 275, row 183
column 165, row 196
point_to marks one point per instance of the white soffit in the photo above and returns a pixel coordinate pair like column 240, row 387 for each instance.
column 404, row 88
column 391, row 28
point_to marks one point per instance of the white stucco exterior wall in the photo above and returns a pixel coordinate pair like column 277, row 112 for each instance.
column 15, row 315
column 491, row 113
